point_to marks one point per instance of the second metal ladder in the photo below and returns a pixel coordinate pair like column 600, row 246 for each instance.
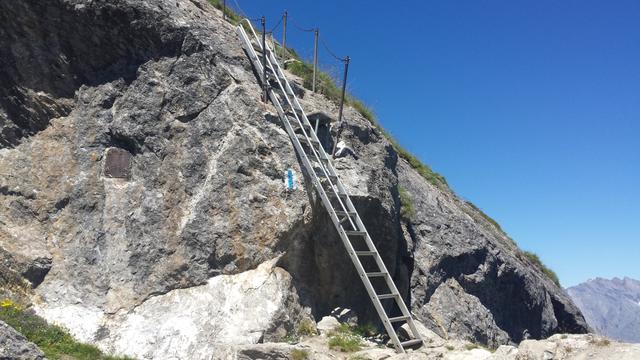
column 318, row 165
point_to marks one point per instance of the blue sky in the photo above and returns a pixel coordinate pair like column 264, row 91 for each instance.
column 530, row 109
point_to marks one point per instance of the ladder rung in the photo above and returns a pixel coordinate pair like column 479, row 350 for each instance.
column 355, row 233
column 305, row 126
column 322, row 174
column 346, row 213
column 411, row 342
column 336, row 194
column 387, row 296
column 311, row 140
column 376, row 274
column 366, row 253
column 399, row 318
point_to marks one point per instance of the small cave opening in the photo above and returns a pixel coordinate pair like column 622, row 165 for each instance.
column 321, row 123
column 324, row 274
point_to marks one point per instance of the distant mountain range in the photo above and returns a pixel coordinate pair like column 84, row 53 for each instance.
column 611, row 307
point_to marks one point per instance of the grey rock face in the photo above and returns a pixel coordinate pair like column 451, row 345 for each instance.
column 14, row 346
column 464, row 265
column 611, row 307
column 138, row 161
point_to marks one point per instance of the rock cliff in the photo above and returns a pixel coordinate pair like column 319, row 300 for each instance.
column 141, row 190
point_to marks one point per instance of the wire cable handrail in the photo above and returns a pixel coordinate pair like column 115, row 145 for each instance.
column 300, row 28
column 324, row 44
column 326, row 172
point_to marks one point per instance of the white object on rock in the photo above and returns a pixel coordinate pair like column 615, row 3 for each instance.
column 327, row 324
column 343, row 150
column 431, row 339
column 345, row 315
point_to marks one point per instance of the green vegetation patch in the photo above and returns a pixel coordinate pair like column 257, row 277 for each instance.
column 54, row 341
column 327, row 86
column 345, row 342
column 534, row 258
column 231, row 15
column 347, row 338
column 306, row 327
column 485, row 216
column 299, row 354
column 407, row 210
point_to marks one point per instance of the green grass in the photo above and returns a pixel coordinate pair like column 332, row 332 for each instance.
column 327, row 86
column 232, row 17
column 53, row 340
column 306, row 327
column 407, row 211
column 345, row 342
column 299, row 354
column 485, row 216
column 367, row 329
column 534, row 258
column 347, row 338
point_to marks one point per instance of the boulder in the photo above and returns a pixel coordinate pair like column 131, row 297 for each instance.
column 14, row 346
column 431, row 339
column 327, row 324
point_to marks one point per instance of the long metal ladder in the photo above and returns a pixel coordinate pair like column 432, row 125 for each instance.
column 317, row 164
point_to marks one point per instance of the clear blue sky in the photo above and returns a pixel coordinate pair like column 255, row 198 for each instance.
column 530, row 109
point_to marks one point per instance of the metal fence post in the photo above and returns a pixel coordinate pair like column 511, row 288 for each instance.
column 263, row 21
column 344, row 92
column 224, row 9
column 315, row 58
column 284, row 39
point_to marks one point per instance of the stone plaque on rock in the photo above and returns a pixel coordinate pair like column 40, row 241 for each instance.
column 117, row 163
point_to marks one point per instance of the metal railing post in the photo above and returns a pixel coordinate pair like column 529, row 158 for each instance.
column 224, row 9
column 344, row 92
column 263, row 21
column 284, row 38
column 315, row 57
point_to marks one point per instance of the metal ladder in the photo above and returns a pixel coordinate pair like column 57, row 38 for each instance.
column 318, row 165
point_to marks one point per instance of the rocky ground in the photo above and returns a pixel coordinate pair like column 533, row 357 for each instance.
column 556, row 347
column 319, row 346
column 142, row 197
column 14, row 346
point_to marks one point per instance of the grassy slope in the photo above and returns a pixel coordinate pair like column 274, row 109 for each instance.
column 54, row 341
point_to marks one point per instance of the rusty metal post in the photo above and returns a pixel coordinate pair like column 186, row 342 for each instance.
column 263, row 21
column 284, row 38
column 315, row 57
column 344, row 93
column 224, row 9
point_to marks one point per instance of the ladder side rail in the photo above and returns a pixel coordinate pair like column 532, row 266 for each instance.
column 294, row 138
column 287, row 87
column 366, row 281
column 253, row 56
column 327, row 203
column 327, row 173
